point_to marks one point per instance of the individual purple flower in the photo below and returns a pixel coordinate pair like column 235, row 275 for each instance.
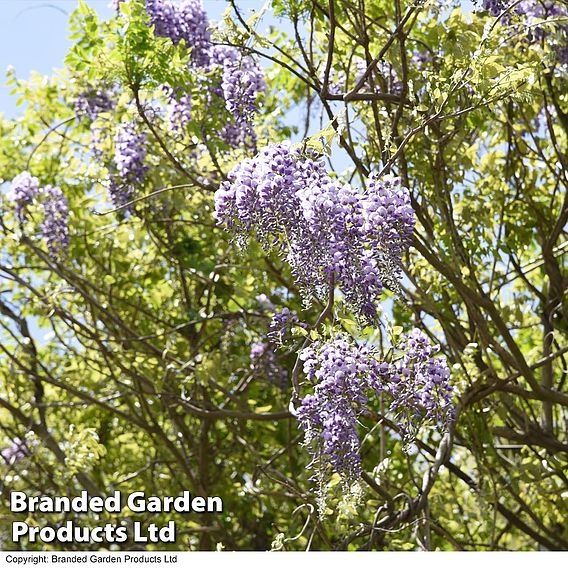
column 55, row 226
column 23, row 190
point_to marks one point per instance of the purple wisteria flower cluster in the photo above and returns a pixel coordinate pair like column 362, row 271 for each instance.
column 242, row 80
column 341, row 376
column 236, row 79
column 15, row 452
column 264, row 364
column 535, row 15
column 419, row 385
column 92, row 101
column 345, row 376
column 129, row 155
column 326, row 231
column 281, row 325
column 55, row 226
column 534, row 8
column 494, row 7
column 24, row 192
column 179, row 112
column 186, row 21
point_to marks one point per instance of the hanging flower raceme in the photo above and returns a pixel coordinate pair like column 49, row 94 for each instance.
column 24, row 192
column 341, row 373
column 184, row 20
column 55, row 226
column 321, row 227
column 179, row 112
column 238, row 79
column 129, row 155
column 92, row 101
column 242, row 81
column 346, row 379
column 264, row 364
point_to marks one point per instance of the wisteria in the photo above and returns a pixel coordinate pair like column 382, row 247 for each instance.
column 264, row 364
column 178, row 109
column 23, row 191
column 15, row 452
column 494, row 7
column 186, row 21
column 281, row 324
column 324, row 230
column 419, row 385
column 241, row 82
column 340, row 374
column 91, row 102
column 346, row 376
column 534, row 8
column 235, row 78
column 536, row 14
column 55, row 223
column 129, row 155
column 535, row 20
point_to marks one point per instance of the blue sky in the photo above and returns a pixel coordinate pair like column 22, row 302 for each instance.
column 34, row 36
